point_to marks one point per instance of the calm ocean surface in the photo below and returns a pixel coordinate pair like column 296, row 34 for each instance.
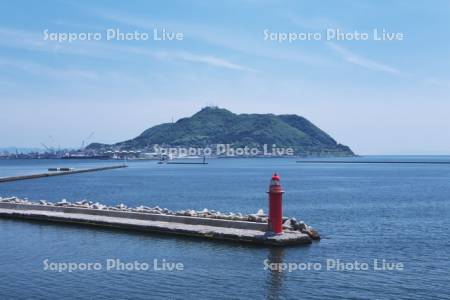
column 396, row 212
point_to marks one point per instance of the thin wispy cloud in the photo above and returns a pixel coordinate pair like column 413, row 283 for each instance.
column 194, row 30
column 318, row 23
column 437, row 82
column 322, row 24
column 174, row 55
column 212, row 61
column 33, row 41
column 43, row 70
column 364, row 62
column 20, row 38
column 249, row 45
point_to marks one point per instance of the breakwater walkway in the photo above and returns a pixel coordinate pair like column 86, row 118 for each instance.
column 59, row 173
column 210, row 226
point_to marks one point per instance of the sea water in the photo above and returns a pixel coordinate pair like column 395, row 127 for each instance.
column 385, row 230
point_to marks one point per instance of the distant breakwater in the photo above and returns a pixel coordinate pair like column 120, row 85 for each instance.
column 58, row 173
column 372, row 162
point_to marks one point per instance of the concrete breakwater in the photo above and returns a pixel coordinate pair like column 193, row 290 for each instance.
column 59, row 173
column 207, row 224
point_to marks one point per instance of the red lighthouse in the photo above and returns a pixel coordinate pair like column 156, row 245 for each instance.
column 275, row 205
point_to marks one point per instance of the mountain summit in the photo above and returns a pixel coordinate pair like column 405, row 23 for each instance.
column 213, row 125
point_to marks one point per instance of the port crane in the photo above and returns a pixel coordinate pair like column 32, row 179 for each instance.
column 86, row 140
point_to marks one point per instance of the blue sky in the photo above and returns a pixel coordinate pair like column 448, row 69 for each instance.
column 378, row 97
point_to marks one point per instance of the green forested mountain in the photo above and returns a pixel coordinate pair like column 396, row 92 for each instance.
column 213, row 125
